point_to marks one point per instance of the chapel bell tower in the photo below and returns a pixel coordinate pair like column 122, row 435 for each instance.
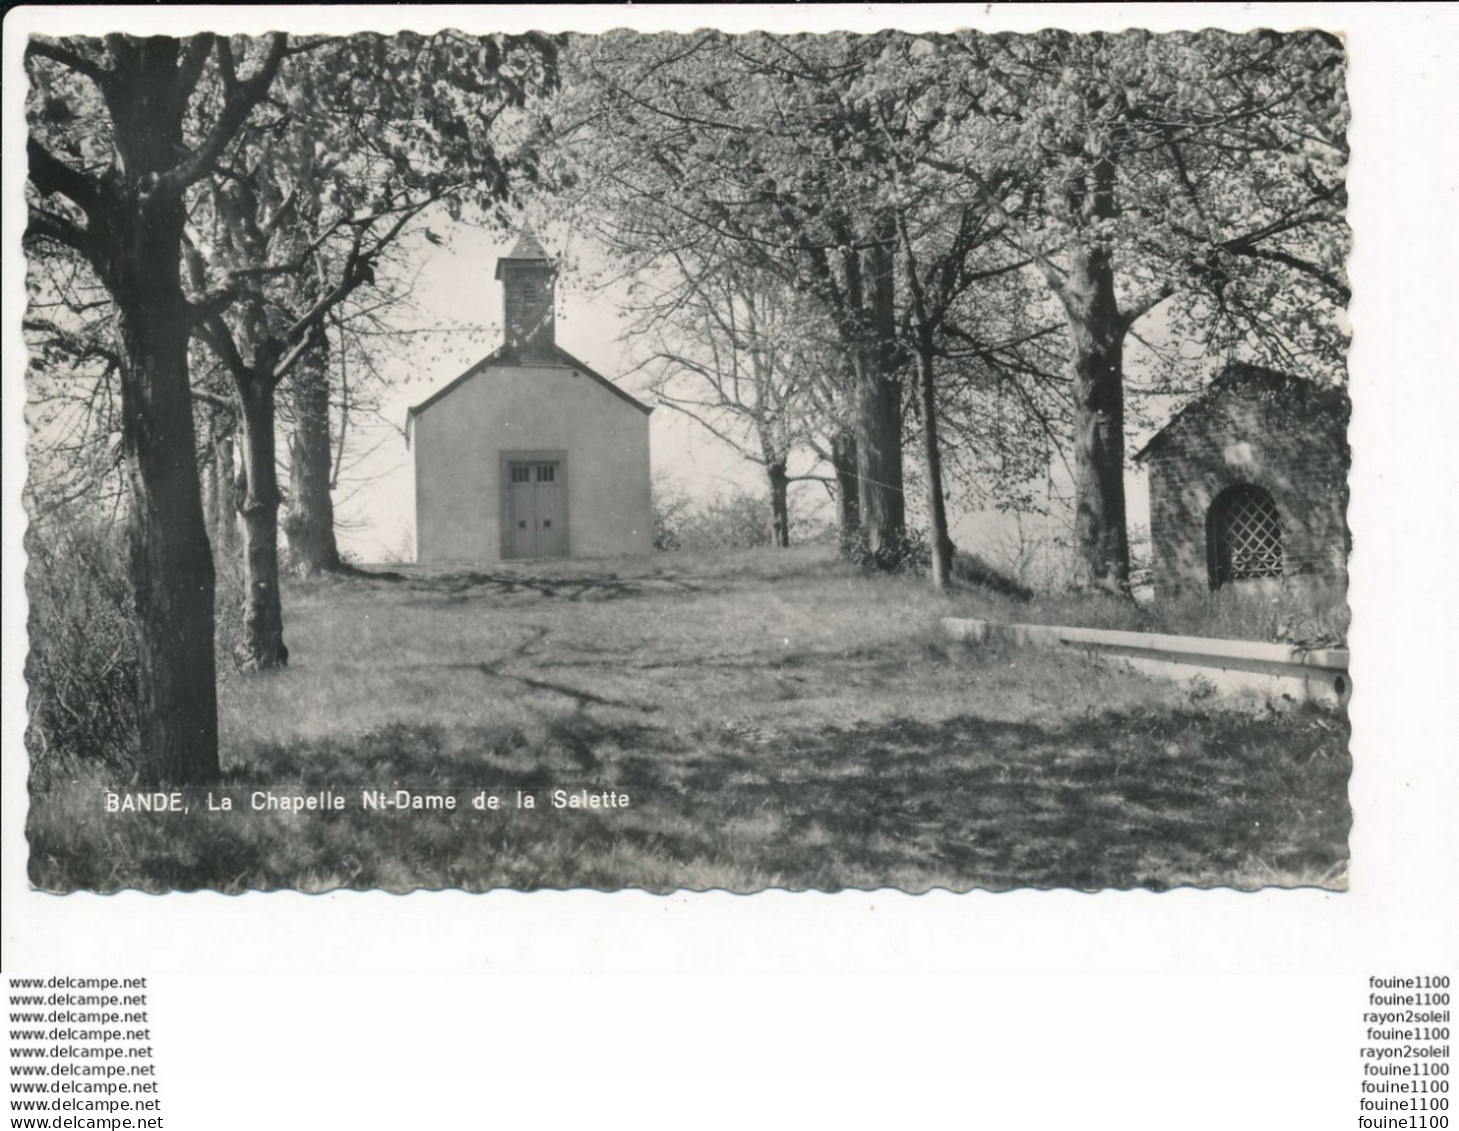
column 527, row 276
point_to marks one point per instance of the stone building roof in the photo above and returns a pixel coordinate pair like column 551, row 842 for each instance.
column 1240, row 378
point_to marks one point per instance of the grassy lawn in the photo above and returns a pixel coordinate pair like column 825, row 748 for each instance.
column 776, row 720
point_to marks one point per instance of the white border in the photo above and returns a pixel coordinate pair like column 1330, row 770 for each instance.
column 1399, row 912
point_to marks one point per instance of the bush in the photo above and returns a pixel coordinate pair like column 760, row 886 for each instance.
column 670, row 509
column 736, row 520
column 909, row 554
column 82, row 664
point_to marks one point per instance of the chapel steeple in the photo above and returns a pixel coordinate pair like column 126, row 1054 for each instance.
column 527, row 276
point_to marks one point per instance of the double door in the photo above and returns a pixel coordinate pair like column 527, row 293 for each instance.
column 536, row 517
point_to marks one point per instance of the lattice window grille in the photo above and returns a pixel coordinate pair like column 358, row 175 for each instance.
column 1249, row 536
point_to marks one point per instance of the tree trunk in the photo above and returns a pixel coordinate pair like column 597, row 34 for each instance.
column 208, row 485
column 262, row 646
column 779, row 504
column 1096, row 335
column 309, row 525
column 170, row 562
column 137, row 232
column 936, row 508
column 848, row 490
column 879, row 413
column 224, row 526
column 216, row 473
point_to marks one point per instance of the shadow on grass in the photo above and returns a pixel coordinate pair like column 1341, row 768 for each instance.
column 471, row 585
column 1116, row 800
column 609, row 579
column 496, row 669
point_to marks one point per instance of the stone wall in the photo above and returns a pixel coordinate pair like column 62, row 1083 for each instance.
column 1286, row 436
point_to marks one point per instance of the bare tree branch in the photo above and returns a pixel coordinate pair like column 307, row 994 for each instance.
column 229, row 403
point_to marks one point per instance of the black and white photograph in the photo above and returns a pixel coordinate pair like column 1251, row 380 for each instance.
column 687, row 460
column 729, row 565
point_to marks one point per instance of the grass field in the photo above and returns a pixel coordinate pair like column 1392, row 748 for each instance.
column 777, row 719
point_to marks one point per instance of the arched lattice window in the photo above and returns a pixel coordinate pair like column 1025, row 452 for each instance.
column 1244, row 534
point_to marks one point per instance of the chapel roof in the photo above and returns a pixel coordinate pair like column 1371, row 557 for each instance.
column 504, row 357
column 1240, row 377
column 527, row 249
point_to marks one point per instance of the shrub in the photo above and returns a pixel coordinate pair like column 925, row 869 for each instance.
column 910, row 554
column 82, row 665
column 670, row 508
column 81, row 669
column 738, row 519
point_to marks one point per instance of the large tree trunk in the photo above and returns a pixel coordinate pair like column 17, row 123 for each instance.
column 171, row 566
column 779, row 504
column 848, row 490
column 309, row 525
column 262, row 646
column 879, row 412
column 1096, row 335
column 936, row 508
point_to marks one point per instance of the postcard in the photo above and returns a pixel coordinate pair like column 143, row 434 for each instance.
column 688, row 493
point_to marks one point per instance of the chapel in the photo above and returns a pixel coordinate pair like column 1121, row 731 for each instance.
column 530, row 453
column 1248, row 485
